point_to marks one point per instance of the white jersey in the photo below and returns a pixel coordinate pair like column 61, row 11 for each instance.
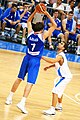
column 63, row 71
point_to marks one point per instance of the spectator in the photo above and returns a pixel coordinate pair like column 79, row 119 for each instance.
column 59, row 6
column 10, row 18
column 57, row 33
column 50, row 6
column 9, row 4
column 70, row 7
column 24, row 14
column 0, row 14
column 69, row 29
column 77, row 16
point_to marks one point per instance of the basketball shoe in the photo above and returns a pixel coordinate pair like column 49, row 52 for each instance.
column 22, row 108
column 50, row 111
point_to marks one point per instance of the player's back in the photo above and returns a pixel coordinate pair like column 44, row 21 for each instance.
column 35, row 44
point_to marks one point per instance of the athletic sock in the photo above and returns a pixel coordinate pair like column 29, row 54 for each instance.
column 15, row 35
column 60, row 104
column 3, row 33
column 23, row 39
column 78, row 50
column 23, row 100
column 11, row 95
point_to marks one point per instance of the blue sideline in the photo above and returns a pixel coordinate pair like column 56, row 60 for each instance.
column 21, row 48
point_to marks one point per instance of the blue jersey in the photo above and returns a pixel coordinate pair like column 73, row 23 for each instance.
column 35, row 44
column 11, row 15
column 69, row 24
column 25, row 17
column 58, row 22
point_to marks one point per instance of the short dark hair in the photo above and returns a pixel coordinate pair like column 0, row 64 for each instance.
column 56, row 11
column 14, row 5
column 38, row 26
column 25, row 3
column 70, row 12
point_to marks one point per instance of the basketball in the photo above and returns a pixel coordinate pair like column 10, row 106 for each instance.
column 40, row 7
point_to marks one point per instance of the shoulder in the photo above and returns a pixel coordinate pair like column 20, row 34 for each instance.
column 54, row 5
column 74, row 21
column 58, row 20
column 61, row 54
column 64, row 21
column 8, row 10
column 32, row 32
column 76, row 8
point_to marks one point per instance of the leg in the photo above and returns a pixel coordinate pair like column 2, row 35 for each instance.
column 78, row 48
column 15, row 85
column 13, row 89
column 3, row 27
column 60, row 99
column 62, row 37
column 18, row 28
column 50, row 42
column 59, row 105
column 17, row 31
column 30, row 81
column 54, row 99
column 78, row 36
column 21, row 104
column 66, row 36
column 27, row 90
column 23, row 36
column 51, row 111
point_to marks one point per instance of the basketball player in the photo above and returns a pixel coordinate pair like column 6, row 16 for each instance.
column 60, row 64
column 31, row 61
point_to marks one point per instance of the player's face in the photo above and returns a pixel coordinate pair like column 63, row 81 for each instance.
column 59, row 1
column 70, row 16
column 14, row 9
column 26, row 7
column 56, row 14
column 61, row 46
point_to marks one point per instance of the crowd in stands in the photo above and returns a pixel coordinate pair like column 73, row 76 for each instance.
column 66, row 13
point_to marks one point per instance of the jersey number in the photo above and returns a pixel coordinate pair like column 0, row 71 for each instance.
column 33, row 46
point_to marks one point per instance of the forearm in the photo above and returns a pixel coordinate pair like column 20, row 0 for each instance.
column 7, row 19
column 49, row 60
column 31, row 16
column 53, row 65
column 51, row 19
column 58, row 28
column 17, row 21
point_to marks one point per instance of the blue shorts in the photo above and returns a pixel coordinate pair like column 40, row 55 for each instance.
column 56, row 33
column 30, row 65
column 73, row 37
column 9, row 25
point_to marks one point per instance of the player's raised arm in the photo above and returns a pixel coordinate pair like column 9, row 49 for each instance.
column 52, row 28
column 29, row 21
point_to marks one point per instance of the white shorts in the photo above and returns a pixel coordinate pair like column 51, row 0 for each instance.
column 60, row 86
column 24, row 25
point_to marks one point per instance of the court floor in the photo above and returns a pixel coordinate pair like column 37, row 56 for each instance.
column 40, row 96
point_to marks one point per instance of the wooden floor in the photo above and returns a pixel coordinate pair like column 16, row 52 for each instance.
column 40, row 96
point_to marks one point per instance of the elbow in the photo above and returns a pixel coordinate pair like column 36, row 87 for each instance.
column 55, row 25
